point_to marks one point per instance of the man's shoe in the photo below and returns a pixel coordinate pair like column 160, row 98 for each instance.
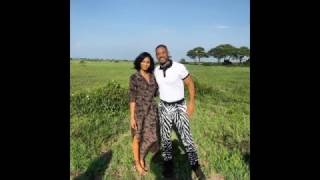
column 168, row 169
column 197, row 170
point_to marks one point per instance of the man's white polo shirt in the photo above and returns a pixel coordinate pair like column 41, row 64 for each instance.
column 171, row 87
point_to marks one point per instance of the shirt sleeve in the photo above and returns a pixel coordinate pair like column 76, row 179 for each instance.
column 183, row 72
column 132, row 89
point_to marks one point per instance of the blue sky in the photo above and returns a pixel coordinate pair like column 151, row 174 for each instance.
column 121, row 29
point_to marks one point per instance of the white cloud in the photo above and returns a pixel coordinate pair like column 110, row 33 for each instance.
column 222, row 27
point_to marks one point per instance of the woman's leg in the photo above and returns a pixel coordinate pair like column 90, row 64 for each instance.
column 141, row 154
column 144, row 149
column 142, row 163
column 135, row 148
column 149, row 134
column 154, row 147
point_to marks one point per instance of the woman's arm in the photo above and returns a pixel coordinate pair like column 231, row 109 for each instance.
column 133, row 121
column 132, row 94
column 157, row 88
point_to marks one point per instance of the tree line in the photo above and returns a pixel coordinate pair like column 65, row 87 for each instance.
column 225, row 52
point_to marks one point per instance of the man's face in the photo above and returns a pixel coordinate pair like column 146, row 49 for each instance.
column 162, row 55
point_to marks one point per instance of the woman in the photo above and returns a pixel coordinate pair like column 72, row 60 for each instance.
column 143, row 110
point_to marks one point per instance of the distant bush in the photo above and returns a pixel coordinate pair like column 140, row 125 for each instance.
column 193, row 63
column 209, row 63
column 247, row 62
column 82, row 62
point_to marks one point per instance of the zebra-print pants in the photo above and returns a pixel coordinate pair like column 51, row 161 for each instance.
column 176, row 113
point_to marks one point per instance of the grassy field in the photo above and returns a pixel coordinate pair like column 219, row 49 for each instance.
column 100, row 136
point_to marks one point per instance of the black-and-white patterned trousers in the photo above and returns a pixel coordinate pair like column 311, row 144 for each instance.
column 176, row 114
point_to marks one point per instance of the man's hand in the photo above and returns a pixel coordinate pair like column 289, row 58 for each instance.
column 190, row 109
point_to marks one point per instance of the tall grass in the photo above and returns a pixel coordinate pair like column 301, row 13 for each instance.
column 96, row 116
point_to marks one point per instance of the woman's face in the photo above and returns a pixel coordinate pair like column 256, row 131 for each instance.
column 145, row 64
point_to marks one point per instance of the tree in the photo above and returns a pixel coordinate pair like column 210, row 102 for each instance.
column 198, row 52
column 230, row 52
column 216, row 53
column 233, row 52
column 182, row 60
column 243, row 52
column 191, row 54
column 225, row 51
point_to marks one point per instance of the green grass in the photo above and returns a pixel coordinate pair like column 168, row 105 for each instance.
column 90, row 75
column 220, row 125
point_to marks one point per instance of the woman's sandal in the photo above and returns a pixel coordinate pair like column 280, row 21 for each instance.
column 142, row 173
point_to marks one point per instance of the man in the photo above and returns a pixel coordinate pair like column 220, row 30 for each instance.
column 171, row 77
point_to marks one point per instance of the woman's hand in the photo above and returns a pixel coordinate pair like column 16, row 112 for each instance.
column 133, row 123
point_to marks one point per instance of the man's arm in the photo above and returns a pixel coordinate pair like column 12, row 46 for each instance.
column 191, row 105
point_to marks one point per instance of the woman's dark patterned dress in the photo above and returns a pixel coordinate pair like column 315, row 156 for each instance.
column 146, row 111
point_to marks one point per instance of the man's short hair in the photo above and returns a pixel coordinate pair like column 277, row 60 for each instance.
column 162, row 45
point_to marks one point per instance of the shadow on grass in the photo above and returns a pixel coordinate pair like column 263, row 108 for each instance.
column 246, row 157
column 97, row 168
column 182, row 169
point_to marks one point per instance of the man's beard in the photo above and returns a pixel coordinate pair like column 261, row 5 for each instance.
column 163, row 60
